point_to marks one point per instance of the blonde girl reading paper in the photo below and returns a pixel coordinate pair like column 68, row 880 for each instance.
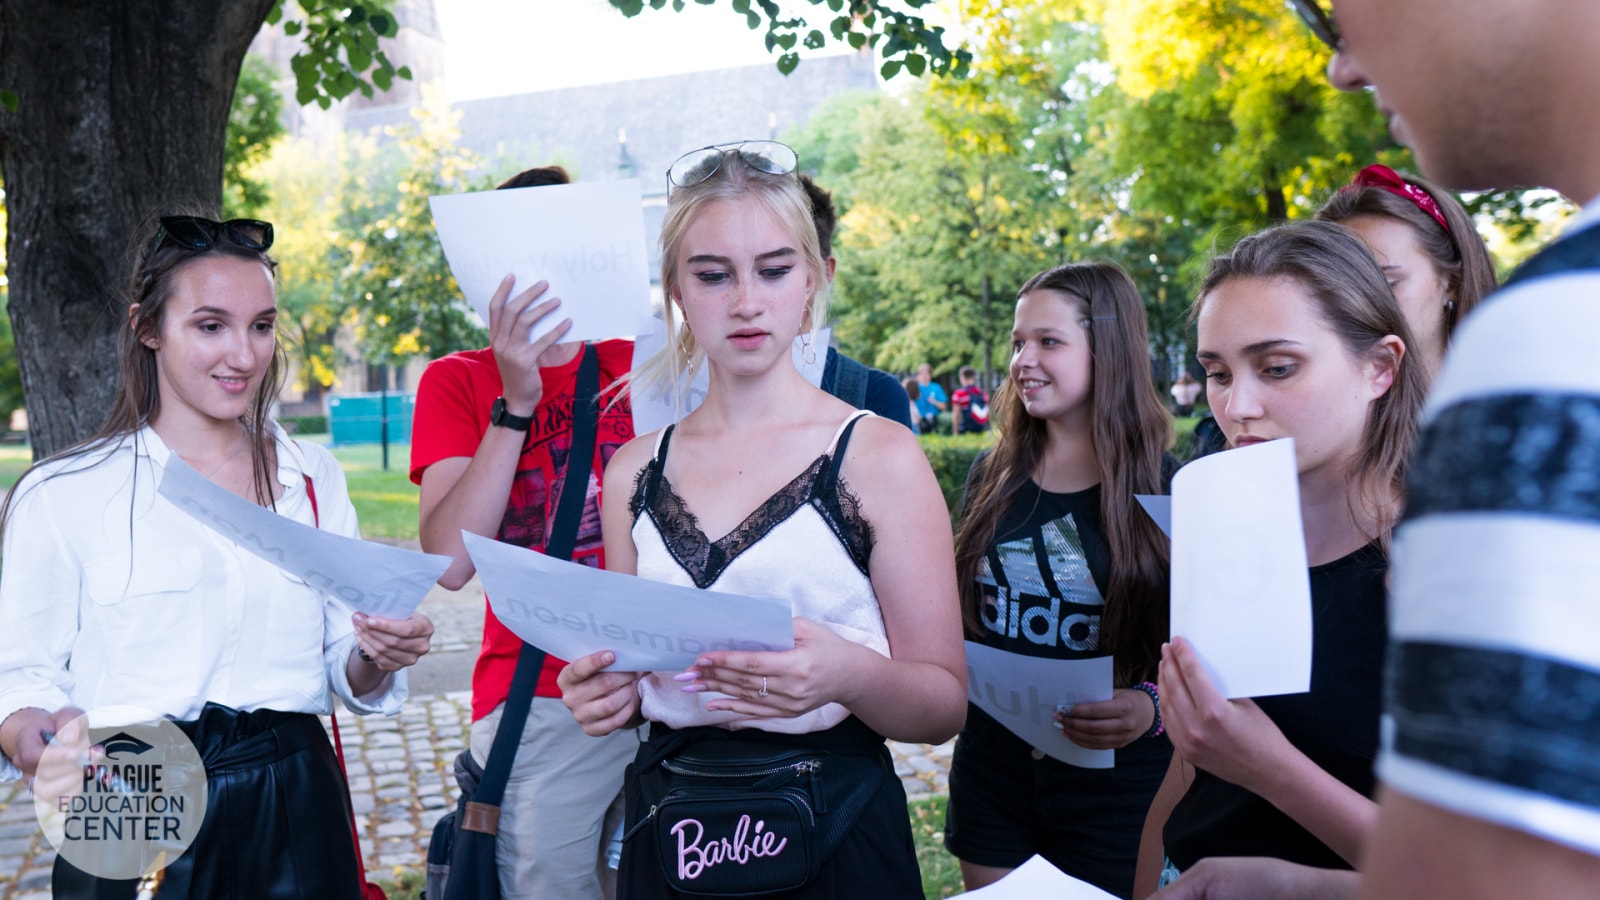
column 772, row 487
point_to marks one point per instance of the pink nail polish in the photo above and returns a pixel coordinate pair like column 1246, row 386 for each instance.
column 686, row 676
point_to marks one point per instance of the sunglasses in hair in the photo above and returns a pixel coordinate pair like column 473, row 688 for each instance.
column 696, row 166
column 196, row 233
column 1319, row 20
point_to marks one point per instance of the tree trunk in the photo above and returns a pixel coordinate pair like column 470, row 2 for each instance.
column 123, row 110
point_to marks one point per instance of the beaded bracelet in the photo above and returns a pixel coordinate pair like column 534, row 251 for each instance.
column 1156, row 728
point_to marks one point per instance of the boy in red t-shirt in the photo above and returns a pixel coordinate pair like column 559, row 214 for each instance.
column 969, row 404
column 491, row 440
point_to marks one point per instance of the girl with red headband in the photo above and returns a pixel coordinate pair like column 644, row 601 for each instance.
column 1435, row 261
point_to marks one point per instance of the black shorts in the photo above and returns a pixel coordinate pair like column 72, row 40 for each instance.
column 1005, row 805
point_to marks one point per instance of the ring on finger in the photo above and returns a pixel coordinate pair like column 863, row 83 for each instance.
column 763, row 691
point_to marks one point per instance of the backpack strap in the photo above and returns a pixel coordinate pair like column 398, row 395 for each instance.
column 483, row 813
column 849, row 380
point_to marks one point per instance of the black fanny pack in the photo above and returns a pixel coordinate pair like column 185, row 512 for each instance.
column 744, row 818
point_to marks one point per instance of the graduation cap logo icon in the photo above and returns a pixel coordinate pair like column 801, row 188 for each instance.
column 123, row 742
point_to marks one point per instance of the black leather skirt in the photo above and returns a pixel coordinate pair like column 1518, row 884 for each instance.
column 277, row 823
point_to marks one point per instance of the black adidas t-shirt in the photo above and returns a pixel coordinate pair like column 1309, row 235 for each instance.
column 1042, row 579
column 1335, row 725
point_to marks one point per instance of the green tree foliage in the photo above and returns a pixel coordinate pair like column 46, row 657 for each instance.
column 402, row 299
column 255, row 126
column 311, row 194
column 952, row 194
column 895, row 30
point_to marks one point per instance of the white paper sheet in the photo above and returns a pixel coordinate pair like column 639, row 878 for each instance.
column 1159, row 508
column 374, row 578
column 1241, row 593
column 1022, row 693
column 587, row 240
column 570, row 610
column 1037, row 879
column 656, row 409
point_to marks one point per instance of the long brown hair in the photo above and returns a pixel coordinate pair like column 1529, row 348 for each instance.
column 138, row 400
column 1332, row 264
column 1459, row 256
column 1131, row 432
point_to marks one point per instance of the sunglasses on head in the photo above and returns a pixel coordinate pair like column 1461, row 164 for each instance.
column 196, row 233
column 696, row 166
column 1319, row 20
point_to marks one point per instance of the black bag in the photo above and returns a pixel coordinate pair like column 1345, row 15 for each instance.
column 461, row 864
column 441, row 844
column 737, row 818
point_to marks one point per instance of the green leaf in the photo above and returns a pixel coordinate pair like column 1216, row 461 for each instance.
column 9, row 100
column 741, row 7
column 342, row 85
column 360, row 60
column 815, row 40
column 786, row 41
column 404, row 72
column 916, row 64
column 890, row 69
column 835, row 5
column 857, row 39
column 839, row 26
column 383, row 79
column 357, row 14
column 306, row 92
column 788, row 62
column 275, row 14
column 292, row 27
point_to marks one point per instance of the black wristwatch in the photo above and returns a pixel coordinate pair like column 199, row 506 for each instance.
column 499, row 415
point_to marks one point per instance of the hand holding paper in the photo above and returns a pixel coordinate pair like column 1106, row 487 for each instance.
column 1022, row 693
column 1232, row 739
column 1241, row 592
column 586, row 240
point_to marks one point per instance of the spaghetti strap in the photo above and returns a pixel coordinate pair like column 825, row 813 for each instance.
column 836, row 451
column 662, row 438
column 839, row 438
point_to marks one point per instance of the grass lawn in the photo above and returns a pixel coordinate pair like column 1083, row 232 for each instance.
column 386, row 502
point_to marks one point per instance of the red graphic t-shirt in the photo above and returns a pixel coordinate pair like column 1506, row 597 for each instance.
column 452, row 415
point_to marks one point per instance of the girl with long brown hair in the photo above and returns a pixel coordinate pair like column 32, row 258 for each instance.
column 1050, row 523
column 113, row 597
column 1300, row 338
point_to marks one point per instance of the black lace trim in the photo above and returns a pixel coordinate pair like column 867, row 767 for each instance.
column 705, row 560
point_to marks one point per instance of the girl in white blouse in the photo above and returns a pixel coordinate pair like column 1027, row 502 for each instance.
column 112, row 596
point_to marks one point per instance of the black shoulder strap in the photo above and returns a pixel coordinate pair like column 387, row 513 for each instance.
column 831, row 478
column 850, row 382
column 1573, row 253
column 563, row 536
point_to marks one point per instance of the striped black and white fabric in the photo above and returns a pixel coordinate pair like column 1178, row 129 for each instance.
column 1493, row 695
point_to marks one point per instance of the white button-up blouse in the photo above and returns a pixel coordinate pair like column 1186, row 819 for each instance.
column 111, row 595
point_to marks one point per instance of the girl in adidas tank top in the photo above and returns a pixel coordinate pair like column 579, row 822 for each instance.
column 1055, row 560
column 771, row 487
